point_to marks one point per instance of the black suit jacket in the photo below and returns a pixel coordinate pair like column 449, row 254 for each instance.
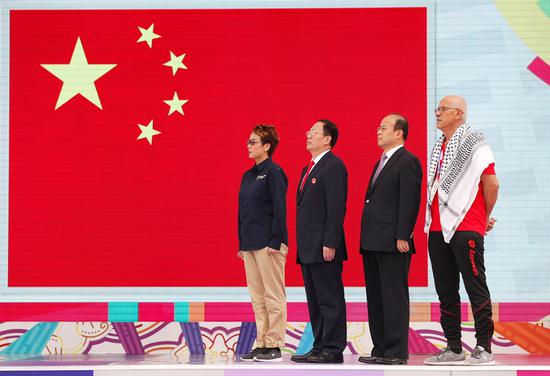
column 392, row 204
column 320, row 211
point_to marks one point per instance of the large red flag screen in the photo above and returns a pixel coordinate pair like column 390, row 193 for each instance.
column 127, row 132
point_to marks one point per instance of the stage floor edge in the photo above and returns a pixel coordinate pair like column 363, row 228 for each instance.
column 167, row 365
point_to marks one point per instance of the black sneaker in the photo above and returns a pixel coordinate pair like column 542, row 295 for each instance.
column 250, row 356
column 270, row 354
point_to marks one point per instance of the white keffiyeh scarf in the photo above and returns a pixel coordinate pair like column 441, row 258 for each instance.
column 467, row 155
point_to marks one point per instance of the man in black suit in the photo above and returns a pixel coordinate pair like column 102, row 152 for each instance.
column 320, row 212
column 389, row 215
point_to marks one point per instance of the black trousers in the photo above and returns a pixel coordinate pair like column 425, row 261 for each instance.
column 386, row 279
column 326, row 305
column 462, row 256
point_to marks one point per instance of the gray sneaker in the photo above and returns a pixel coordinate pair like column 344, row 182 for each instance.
column 249, row 357
column 446, row 357
column 481, row 357
column 270, row 354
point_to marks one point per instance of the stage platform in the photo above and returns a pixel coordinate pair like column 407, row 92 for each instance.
column 167, row 365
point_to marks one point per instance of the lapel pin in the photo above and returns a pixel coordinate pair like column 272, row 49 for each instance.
column 313, row 181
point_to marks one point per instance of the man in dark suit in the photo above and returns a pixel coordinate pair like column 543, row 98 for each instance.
column 320, row 212
column 389, row 215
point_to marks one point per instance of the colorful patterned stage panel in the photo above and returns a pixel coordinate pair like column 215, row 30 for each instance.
column 204, row 328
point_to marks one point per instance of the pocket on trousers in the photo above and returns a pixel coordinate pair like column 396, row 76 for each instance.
column 284, row 249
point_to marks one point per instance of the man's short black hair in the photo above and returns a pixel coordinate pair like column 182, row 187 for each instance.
column 401, row 123
column 330, row 129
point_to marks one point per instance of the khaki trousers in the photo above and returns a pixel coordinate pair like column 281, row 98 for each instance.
column 265, row 277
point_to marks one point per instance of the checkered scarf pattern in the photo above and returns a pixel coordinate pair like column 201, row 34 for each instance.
column 466, row 156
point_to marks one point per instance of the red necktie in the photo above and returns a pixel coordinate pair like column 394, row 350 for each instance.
column 311, row 163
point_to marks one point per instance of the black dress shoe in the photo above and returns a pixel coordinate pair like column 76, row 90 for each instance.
column 369, row 359
column 303, row 358
column 326, row 357
column 392, row 361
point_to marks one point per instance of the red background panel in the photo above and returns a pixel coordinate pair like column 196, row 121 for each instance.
column 89, row 205
column 155, row 311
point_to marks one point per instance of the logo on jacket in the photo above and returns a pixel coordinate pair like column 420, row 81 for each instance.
column 260, row 177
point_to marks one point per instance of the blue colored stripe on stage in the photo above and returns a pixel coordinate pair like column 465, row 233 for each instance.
column 193, row 338
column 306, row 343
column 181, row 312
column 47, row 373
column 34, row 340
column 247, row 336
column 123, row 312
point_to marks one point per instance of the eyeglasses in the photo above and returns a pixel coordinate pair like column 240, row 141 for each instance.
column 311, row 133
column 253, row 142
column 442, row 109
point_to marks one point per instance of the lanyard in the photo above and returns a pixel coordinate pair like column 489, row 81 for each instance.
column 435, row 185
column 440, row 163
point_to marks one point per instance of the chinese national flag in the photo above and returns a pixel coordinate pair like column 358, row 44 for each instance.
column 128, row 132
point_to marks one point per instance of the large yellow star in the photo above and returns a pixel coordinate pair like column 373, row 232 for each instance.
column 176, row 62
column 78, row 76
column 147, row 132
column 175, row 104
column 147, row 35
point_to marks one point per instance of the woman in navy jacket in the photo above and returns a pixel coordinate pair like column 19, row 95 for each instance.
column 263, row 240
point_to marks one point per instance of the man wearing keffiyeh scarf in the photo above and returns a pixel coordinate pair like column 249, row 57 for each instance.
column 462, row 192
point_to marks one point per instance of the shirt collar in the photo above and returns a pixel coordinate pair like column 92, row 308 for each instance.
column 318, row 158
column 262, row 166
column 392, row 151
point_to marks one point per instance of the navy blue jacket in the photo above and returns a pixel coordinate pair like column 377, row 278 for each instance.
column 320, row 211
column 262, row 207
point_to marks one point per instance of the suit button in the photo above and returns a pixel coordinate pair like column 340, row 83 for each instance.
column 367, row 201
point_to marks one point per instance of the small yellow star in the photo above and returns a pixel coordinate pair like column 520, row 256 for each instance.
column 147, row 132
column 176, row 104
column 147, row 35
column 176, row 62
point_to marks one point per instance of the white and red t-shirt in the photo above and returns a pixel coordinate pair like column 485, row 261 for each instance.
column 476, row 217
